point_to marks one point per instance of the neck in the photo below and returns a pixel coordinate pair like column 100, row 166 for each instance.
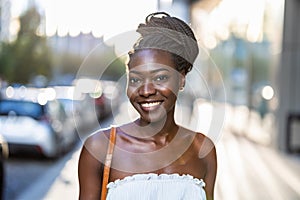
column 164, row 129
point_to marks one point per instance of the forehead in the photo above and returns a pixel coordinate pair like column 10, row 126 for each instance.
column 151, row 58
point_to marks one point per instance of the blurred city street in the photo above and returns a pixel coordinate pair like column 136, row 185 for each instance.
column 63, row 75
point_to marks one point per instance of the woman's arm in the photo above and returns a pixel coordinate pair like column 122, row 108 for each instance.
column 90, row 168
column 210, row 159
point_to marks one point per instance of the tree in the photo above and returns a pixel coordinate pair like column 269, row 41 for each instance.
column 28, row 55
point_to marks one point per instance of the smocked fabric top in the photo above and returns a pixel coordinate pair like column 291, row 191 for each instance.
column 157, row 187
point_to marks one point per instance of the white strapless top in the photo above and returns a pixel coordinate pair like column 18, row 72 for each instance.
column 157, row 187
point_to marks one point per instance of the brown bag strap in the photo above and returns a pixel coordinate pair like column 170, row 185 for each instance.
column 108, row 159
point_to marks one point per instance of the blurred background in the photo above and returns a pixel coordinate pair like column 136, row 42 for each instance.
column 62, row 77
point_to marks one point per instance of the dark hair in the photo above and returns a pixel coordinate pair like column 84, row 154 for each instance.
column 163, row 32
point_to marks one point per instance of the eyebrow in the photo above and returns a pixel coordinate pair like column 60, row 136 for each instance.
column 152, row 71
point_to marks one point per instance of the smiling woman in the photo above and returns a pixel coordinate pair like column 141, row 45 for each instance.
column 152, row 155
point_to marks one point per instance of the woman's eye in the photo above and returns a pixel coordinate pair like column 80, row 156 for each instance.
column 134, row 80
column 161, row 78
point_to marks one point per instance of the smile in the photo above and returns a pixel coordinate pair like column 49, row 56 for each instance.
column 150, row 105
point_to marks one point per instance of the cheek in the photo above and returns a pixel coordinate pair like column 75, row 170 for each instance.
column 131, row 92
column 171, row 88
column 170, row 93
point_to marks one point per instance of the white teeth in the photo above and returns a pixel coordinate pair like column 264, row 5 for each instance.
column 147, row 105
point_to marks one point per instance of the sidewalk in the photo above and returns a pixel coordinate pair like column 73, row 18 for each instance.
column 66, row 184
column 248, row 170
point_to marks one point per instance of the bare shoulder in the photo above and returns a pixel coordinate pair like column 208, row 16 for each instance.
column 207, row 146
column 96, row 143
column 203, row 144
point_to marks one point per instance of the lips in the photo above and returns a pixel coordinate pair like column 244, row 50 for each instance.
column 149, row 106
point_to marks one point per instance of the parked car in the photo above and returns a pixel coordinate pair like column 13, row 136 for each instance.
column 107, row 99
column 29, row 126
column 102, row 96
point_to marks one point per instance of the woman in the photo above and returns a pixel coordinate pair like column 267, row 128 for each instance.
column 154, row 157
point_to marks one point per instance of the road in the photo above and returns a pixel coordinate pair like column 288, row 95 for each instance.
column 24, row 176
column 31, row 177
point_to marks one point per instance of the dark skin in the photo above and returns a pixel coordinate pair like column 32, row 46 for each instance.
column 154, row 143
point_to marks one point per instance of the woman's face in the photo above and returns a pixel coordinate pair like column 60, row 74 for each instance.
column 153, row 84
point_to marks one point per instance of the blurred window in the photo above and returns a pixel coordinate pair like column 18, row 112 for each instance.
column 21, row 108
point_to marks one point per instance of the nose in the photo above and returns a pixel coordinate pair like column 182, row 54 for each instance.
column 147, row 89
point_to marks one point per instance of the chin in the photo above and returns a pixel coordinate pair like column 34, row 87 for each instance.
column 154, row 118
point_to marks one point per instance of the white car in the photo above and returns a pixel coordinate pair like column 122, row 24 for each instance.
column 31, row 127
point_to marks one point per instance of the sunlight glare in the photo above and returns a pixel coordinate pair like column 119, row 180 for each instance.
column 14, row 26
column 267, row 92
column 99, row 17
column 244, row 18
